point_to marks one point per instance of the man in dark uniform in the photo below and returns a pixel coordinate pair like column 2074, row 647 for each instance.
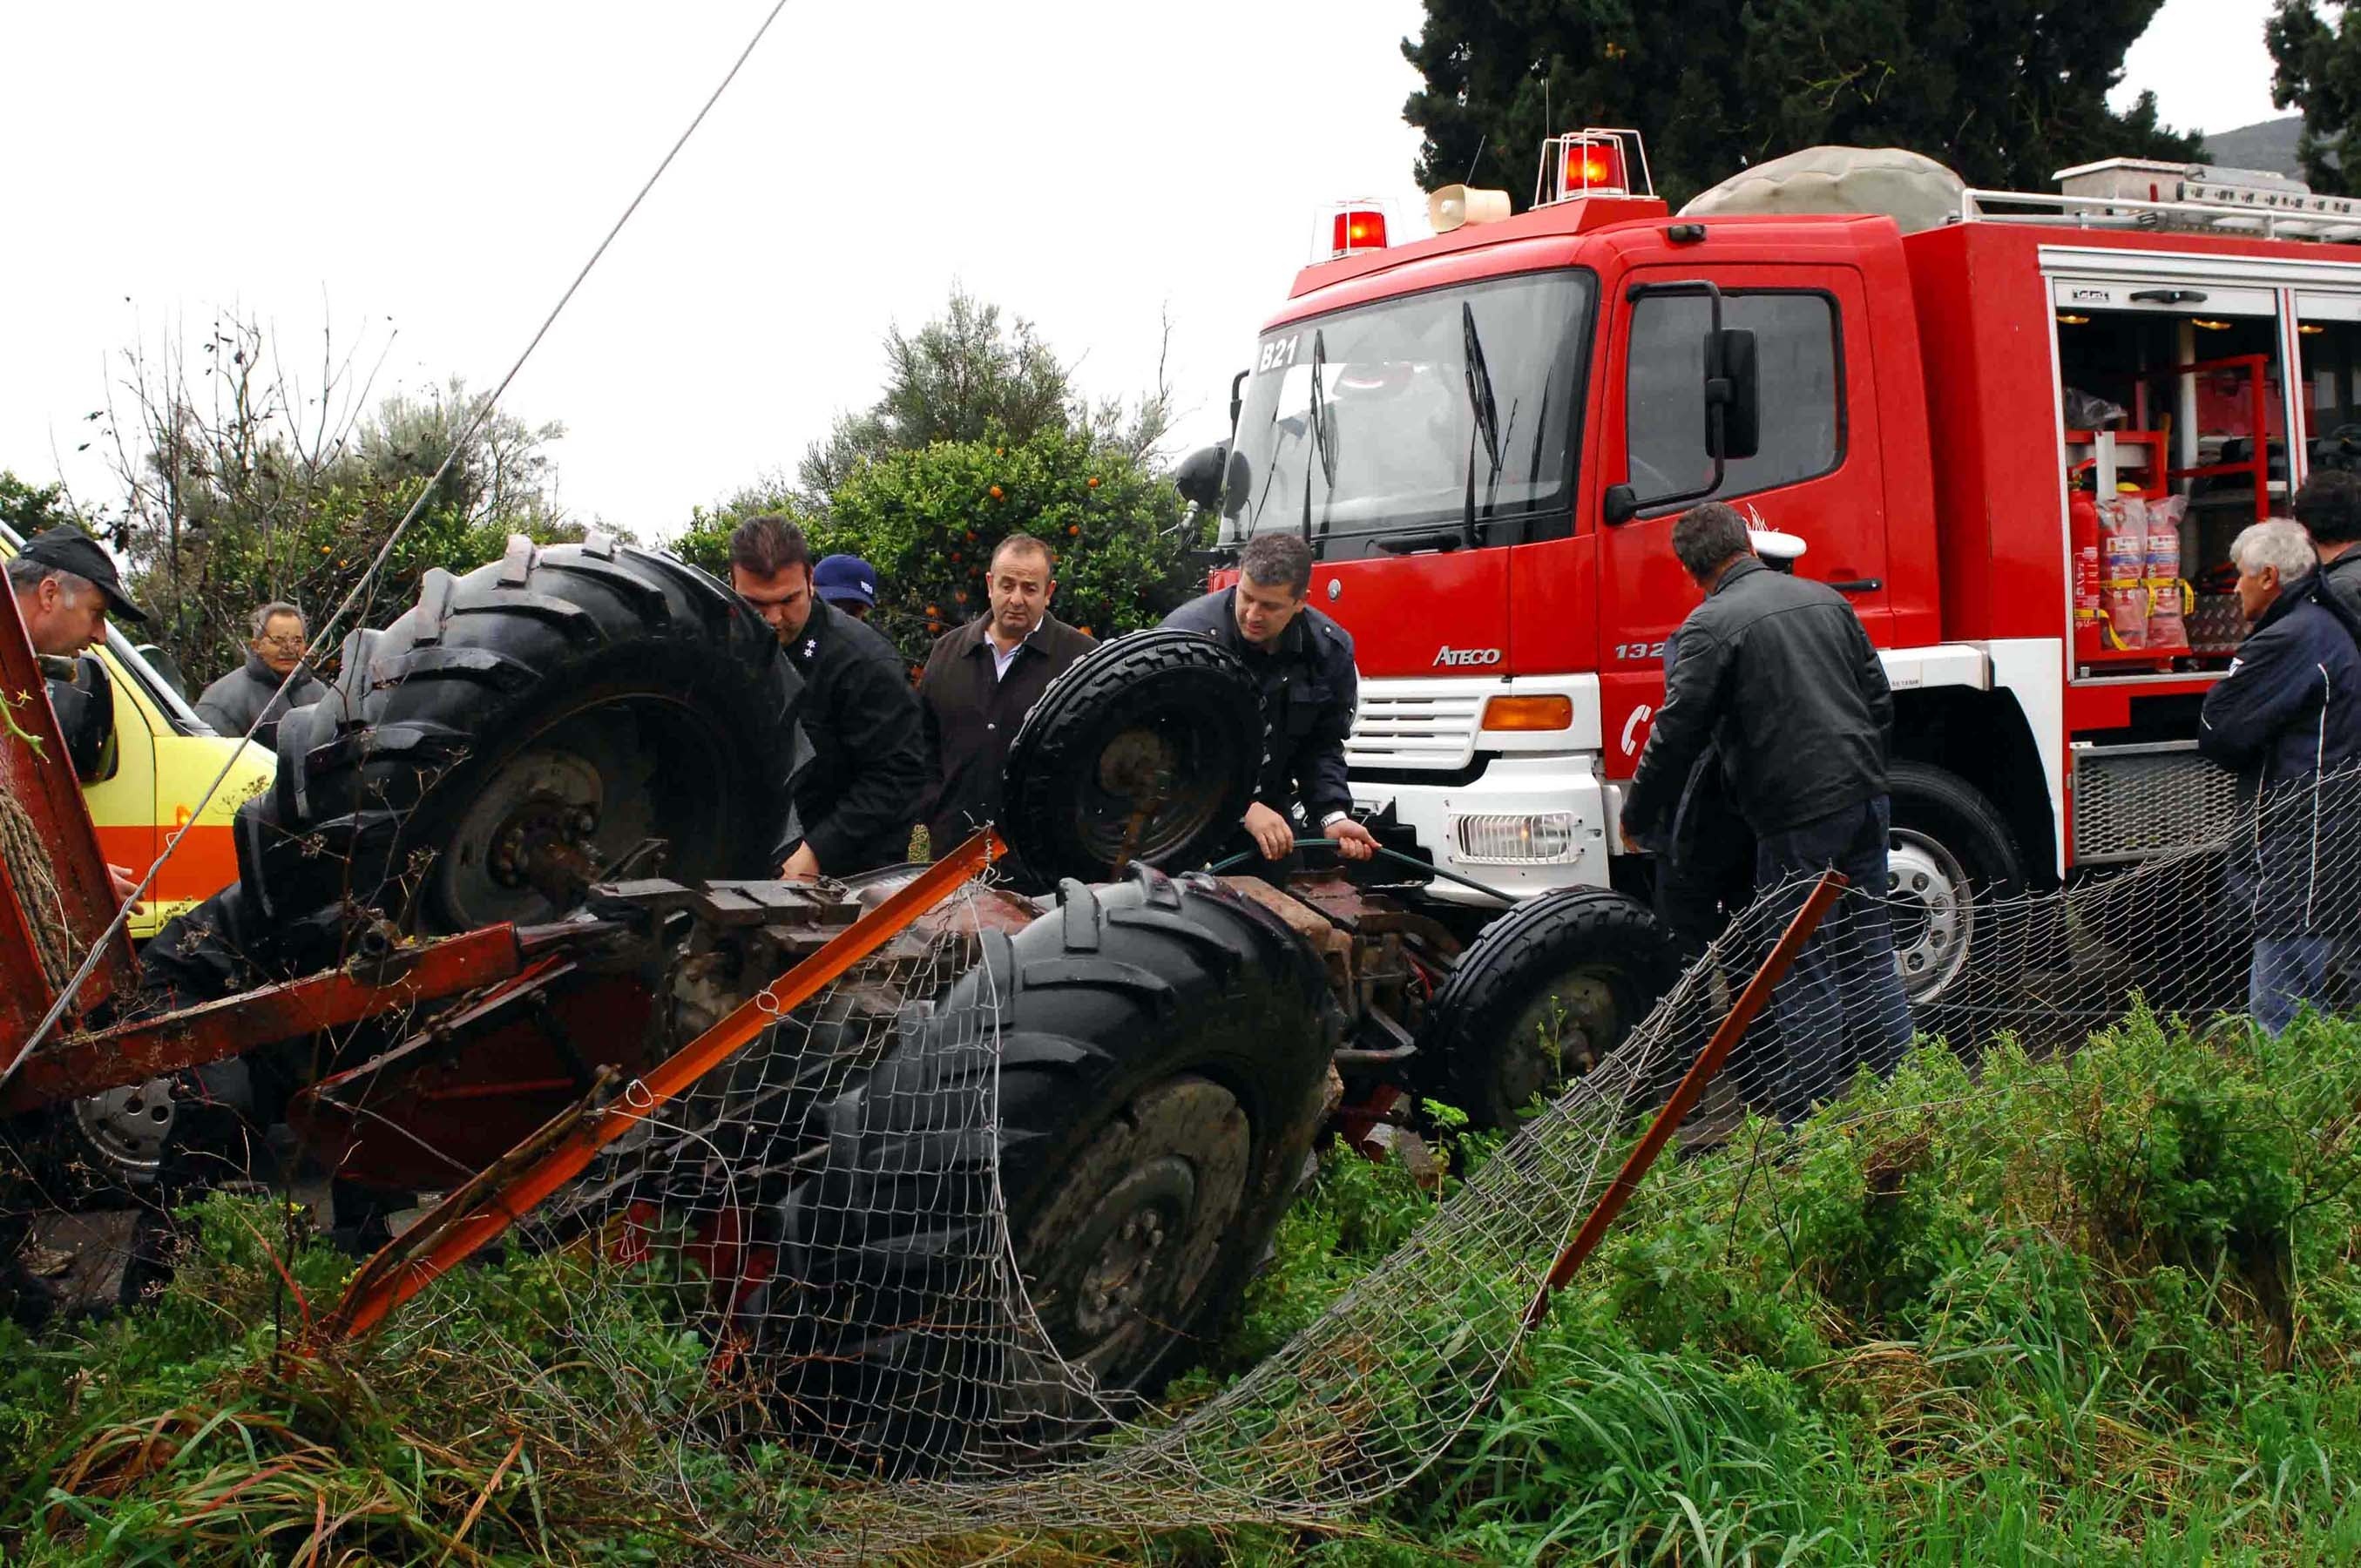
column 1303, row 663
column 983, row 679
column 858, row 796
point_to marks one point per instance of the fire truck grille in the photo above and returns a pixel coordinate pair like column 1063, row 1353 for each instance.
column 1408, row 727
column 2134, row 801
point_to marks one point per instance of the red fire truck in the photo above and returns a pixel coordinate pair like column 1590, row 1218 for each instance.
column 1486, row 435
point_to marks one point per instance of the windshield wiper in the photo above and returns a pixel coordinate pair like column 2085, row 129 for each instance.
column 1487, row 417
column 1322, row 442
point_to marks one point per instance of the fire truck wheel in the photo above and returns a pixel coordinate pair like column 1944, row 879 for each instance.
column 1159, row 1049
column 1543, row 994
column 1144, row 751
column 1950, row 855
column 521, row 728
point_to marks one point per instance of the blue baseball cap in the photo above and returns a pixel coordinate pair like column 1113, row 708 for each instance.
column 842, row 579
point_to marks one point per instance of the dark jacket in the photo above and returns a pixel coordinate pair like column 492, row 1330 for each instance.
column 83, row 694
column 2286, row 714
column 1705, row 856
column 859, row 795
column 2337, row 586
column 231, row 703
column 970, row 714
column 1777, row 675
column 1309, row 690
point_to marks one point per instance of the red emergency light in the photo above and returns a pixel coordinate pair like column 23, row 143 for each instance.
column 1356, row 229
column 1590, row 167
column 1593, row 161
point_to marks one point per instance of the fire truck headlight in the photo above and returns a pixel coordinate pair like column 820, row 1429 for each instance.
column 1510, row 838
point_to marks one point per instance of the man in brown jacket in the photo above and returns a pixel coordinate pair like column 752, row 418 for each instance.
column 981, row 681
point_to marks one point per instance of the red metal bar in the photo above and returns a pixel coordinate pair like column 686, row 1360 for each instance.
column 1742, row 1013
column 2257, row 367
column 485, row 1207
column 34, row 770
column 68, row 1067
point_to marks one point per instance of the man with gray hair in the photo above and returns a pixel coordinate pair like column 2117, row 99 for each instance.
column 272, row 683
column 1776, row 672
column 2288, row 718
column 65, row 587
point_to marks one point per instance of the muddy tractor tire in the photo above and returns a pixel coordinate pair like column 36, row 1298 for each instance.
column 1144, row 751
column 520, row 728
column 1158, row 1050
column 1948, row 858
column 1541, row 997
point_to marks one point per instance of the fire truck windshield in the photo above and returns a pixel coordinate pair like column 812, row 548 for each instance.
column 1389, row 464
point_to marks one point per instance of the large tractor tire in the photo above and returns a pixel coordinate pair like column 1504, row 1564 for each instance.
column 519, row 730
column 1159, row 1049
column 1950, row 863
column 1541, row 997
column 1144, row 751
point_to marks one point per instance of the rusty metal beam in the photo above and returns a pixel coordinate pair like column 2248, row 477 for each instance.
column 557, row 1153
column 72, row 1065
column 35, row 773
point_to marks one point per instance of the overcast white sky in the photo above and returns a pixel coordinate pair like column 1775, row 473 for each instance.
column 438, row 170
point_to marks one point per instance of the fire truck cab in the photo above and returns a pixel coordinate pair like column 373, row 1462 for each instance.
column 1486, row 435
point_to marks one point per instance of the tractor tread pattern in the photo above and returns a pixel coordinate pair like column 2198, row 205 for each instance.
column 1496, row 977
column 863, row 1259
column 376, row 769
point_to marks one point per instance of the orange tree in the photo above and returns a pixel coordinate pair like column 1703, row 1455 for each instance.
column 928, row 520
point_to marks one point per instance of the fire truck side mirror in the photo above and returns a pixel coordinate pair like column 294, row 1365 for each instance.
column 1733, row 384
column 1620, row 503
column 1199, row 476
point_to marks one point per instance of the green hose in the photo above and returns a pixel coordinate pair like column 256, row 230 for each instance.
column 1410, row 860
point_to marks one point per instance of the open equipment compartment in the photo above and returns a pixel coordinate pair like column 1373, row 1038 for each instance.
column 2178, row 392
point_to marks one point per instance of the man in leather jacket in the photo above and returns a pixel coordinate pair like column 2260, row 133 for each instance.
column 1776, row 672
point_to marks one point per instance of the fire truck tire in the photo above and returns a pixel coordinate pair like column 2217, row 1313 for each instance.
column 1159, row 1047
column 1144, row 751
column 1542, row 995
column 563, row 699
column 1949, row 857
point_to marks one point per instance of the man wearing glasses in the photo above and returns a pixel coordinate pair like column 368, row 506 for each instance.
column 276, row 652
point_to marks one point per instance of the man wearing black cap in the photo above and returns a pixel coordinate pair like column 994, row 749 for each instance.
column 65, row 584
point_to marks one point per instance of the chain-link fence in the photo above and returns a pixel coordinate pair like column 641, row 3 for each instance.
column 945, row 1230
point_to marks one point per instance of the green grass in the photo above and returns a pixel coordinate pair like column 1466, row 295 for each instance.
column 2097, row 1309
column 191, row 1430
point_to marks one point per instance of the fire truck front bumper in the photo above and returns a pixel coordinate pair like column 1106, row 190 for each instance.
column 1525, row 825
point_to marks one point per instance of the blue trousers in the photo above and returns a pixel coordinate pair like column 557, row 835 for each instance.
column 2287, row 972
column 1840, row 1005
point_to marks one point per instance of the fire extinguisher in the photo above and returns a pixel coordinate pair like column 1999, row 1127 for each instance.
column 2082, row 532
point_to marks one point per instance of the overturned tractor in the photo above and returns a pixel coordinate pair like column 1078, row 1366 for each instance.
column 519, row 864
